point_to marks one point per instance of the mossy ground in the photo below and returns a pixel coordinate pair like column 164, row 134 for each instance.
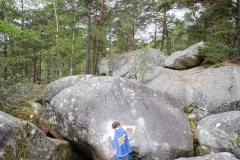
column 26, row 112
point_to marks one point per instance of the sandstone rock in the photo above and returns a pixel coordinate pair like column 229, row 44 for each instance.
column 131, row 65
column 22, row 140
column 208, row 91
column 84, row 112
column 57, row 86
column 220, row 132
column 37, row 107
column 214, row 156
column 185, row 59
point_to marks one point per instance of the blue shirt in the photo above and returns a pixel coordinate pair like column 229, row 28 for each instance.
column 121, row 143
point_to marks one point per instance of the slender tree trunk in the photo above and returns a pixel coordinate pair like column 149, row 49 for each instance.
column 127, row 40
column 88, row 49
column 26, row 68
column 6, row 68
column 110, row 40
column 34, row 67
column 57, row 49
column 98, row 39
column 93, row 46
column 22, row 40
column 133, row 35
column 164, row 27
column 237, row 38
column 168, row 41
column 48, row 65
column 73, row 39
column 155, row 35
column 4, row 56
column 40, row 68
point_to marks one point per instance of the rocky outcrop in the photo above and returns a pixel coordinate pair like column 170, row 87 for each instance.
column 84, row 112
column 22, row 140
column 214, row 156
column 132, row 64
column 185, row 59
column 203, row 91
column 57, row 86
column 220, row 133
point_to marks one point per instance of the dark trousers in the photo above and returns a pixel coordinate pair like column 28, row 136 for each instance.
column 127, row 157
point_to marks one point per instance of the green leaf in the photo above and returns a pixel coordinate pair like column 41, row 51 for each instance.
column 8, row 28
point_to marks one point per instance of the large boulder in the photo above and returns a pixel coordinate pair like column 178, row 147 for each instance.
column 131, row 65
column 22, row 140
column 57, row 86
column 220, row 133
column 84, row 112
column 213, row 156
column 185, row 59
column 202, row 91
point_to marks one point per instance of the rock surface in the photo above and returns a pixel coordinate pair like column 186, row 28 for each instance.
column 57, row 86
column 214, row 156
column 207, row 91
column 131, row 65
column 220, row 133
column 22, row 140
column 84, row 112
column 185, row 59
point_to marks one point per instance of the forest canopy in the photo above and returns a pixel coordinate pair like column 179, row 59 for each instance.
column 44, row 40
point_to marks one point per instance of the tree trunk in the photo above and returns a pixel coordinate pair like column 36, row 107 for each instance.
column 168, row 41
column 34, row 67
column 57, row 50
column 73, row 39
column 4, row 56
column 22, row 40
column 133, row 35
column 48, row 65
column 40, row 68
column 26, row 68
column 98, row 39
column 88, row 49
column 110, row 40
column 164, row 27
column 155, row 35
column 237, row 38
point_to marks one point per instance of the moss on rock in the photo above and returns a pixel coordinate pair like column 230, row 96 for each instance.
column 26, row 112
column 64, row 152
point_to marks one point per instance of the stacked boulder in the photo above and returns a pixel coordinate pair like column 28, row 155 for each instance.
column 201, row 92
column 83, row 113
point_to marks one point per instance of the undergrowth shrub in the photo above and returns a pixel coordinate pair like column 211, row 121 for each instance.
column 15, row 97
column 216, row 53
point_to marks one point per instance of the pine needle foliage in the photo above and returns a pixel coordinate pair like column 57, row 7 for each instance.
column 216, row 53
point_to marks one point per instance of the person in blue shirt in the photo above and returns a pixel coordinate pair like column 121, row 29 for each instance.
column 120, row 140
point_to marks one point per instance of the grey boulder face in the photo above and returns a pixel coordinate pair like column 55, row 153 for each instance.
column 220, row 133
column 84, row 112
column 131, row 65
column 22, row 140
column 214, row 156
column 185, row 59
column 206, row 91
column 57, row 86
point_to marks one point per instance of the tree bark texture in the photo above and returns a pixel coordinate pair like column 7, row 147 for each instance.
column 98, row 39
column 57, row 50
column 237, row 38
column 22, row 39
column 88, row 49
column 164, row 27
column 73, row 39
column 4, row 56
